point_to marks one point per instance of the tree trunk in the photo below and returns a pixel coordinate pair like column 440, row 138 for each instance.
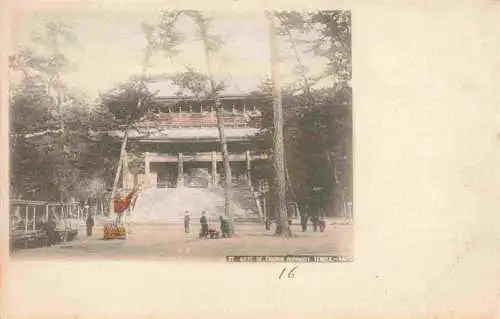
column 118, row 171
column 145, row 64
column 228, row 181
column 228, row 204
column 62, row 138
column 282, row 227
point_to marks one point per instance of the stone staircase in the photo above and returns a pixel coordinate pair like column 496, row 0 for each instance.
column 243, row 198
column 167, row 205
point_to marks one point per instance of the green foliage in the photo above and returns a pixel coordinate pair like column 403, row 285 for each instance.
column 326, row 33
column 168, row 36
column 212, row 42
column 162, row 36
column 52, row 157
column 37, row 168
column 196, row 83
column 317, row 147
column 334, row 42
column 128, row 102
column 318, row 121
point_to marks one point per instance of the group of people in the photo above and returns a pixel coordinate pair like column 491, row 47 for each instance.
column 205, row 229
column 317, row 222
column 49, row 227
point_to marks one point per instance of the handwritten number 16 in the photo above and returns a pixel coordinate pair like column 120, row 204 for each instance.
column 291, row 273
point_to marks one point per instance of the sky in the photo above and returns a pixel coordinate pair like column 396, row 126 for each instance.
column 109, row 48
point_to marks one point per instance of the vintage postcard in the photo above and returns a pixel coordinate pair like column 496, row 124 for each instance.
column 203, row 161
column 159, row 142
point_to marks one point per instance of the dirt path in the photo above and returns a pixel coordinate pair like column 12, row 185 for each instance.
column 153, row 242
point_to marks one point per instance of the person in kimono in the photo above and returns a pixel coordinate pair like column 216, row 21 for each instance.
column 303, row 221
column 90, row 225
column 187, row 220
column 204, row 225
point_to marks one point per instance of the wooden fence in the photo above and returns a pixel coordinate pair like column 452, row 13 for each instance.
column 28, row 215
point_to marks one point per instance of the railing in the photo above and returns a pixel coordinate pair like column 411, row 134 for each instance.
column 204, row 157
column 27, row 219
column 26, row 215
column 195, row 120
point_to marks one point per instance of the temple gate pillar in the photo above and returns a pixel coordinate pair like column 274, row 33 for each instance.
column 214, row 169
column 180, row 171
column 249, row 166
column 147, row 169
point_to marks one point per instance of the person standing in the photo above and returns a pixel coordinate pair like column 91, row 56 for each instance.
column 50, row 228
column 204, row 225
column 303, row 221
column 187, row 219
column 322, row 224
column 90, row 225
column 314, row 221
column 268, row 223
column 222, row 226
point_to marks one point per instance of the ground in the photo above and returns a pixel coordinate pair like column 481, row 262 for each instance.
column 169, row 242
